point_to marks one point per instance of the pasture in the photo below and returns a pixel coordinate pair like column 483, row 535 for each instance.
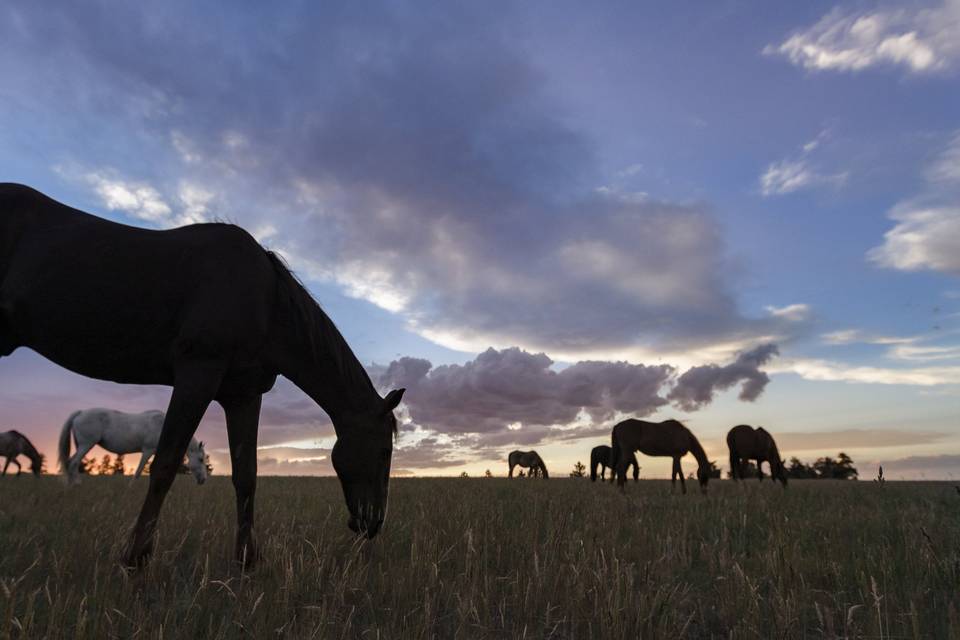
column 488, row 558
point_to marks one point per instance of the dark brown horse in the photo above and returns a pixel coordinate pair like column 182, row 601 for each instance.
column 667, row 438
column 600, row 457
column 529, row 460
column 746, row 443
column 204, row 309
column 13, row 444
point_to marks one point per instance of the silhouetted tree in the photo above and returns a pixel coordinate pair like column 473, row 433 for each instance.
column 579, row 470
column 800, row 471
column 118, row 466
column 487, row 474
column 86, row 465
column 464, row 474
column 714, row 469
column 208, row 464
column 840, row 468
column 106, row 465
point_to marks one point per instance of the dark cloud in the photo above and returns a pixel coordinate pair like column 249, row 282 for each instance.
column 698, row 385
column 500, row 388
column 417, row 158
column 515, row 398
column 946, row 466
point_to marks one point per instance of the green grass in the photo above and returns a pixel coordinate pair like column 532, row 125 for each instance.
column 489, row 558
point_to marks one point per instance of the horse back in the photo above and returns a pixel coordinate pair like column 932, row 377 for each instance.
column 122, row 303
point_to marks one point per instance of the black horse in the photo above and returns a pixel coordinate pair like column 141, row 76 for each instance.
column 600, row 456
column 204, row 309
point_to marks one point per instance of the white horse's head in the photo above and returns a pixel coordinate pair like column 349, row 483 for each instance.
column 197, row 461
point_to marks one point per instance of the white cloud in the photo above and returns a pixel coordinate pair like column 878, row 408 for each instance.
column 852, row 336
column 826, row 370
column 791, row 312
column 792, row 174
column 925, row 353
column 918, row 40
column 136, row 199
column 946, row 169
column 923, row 239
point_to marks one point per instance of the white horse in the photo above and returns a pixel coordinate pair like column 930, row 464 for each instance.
column 120, row 433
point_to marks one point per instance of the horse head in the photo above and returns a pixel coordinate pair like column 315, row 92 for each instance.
column 361, row 457
column 197, row 461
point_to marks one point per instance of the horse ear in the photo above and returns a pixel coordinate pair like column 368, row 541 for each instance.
column 393, row 399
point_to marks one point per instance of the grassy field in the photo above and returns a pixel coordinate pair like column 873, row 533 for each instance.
column 489, row 558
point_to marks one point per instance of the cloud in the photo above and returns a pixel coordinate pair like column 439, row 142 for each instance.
column 946, row 168
column 917, row 40
column 698, row 386
column 500, row 388
column 831, row 442
column 923, row 239
column 419, row 163
column 826, row 370
column 852, row 336
column 512, row 396
column 946, row 466
column 791, row 312
column 793, row 174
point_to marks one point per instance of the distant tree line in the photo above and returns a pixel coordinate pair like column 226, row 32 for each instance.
column 826, row 468
column 115, row 466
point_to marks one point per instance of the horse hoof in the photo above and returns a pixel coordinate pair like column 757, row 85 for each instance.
column 137, row 556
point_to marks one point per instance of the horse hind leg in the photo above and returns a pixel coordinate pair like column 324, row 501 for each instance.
column 5, row 467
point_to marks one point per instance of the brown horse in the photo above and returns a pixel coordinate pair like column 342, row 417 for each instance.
column 529, row 460
column 204, row 309
column 667, row 438
column 746, row 443
column 600, row 457
column 13, row 444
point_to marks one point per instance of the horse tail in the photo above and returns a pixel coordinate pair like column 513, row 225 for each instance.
column 64, row 447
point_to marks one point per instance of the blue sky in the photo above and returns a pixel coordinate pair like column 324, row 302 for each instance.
column 672, row 186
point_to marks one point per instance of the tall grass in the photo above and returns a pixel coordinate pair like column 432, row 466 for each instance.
column 488, row 558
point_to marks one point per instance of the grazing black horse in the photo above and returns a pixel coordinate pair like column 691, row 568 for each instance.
column 600, row 456
column 746, row 443
column 205, row 309
column 13, row 444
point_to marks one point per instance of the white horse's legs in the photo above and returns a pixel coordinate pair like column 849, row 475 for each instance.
column 144, row 456
column 73, row 467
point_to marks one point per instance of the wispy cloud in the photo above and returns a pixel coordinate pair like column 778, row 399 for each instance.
column 916, row 40
column 796, row 173
column 827, row 370
column 791, row 312
column 925, row 238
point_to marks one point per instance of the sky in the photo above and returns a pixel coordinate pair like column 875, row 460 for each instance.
column 539, row 217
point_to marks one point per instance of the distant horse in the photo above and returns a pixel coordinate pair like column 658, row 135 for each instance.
column 13, row 444
column 667, row 438
column 529, row 460
column 746, row 443
column 600, row 457
column 120, row 433
column 205, row 309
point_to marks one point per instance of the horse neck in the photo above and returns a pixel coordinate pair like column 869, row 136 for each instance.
column 698, row 451
column 29, row 450
column 317, row 359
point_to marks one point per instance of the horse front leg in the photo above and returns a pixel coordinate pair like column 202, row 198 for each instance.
column 510, row 475
column 194, row 388
column 16, row 462
column 243, row 420
column 5, row 467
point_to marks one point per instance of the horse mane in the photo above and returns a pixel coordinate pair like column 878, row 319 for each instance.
column 316, row 328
